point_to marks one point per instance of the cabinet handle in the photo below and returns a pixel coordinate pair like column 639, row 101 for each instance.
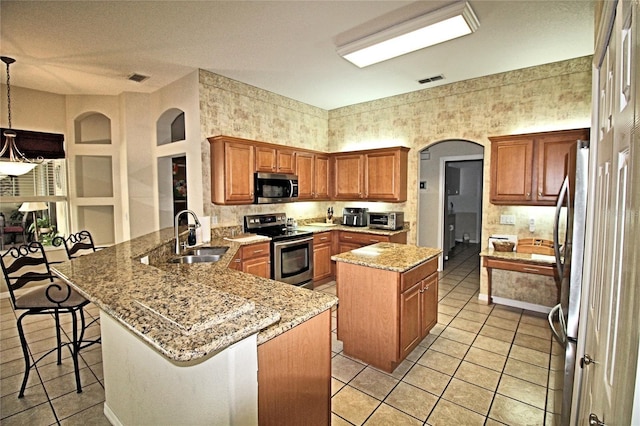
column 257, row 251
column 540, row 194
column 530, row 269
column 323, row 238
column 347, row 238
column 237, row 260
column 374, row 241
column 528, row 195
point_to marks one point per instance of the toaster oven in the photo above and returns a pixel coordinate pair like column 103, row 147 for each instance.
column 386, row 220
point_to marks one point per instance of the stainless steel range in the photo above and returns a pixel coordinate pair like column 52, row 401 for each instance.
column 291, row 250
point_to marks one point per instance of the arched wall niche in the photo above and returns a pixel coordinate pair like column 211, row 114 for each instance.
column 92, row 128
column 170, row 127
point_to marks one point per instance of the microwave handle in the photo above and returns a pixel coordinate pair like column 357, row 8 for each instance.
column 290, row 188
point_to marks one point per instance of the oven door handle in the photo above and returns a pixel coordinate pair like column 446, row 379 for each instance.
column 289, row 243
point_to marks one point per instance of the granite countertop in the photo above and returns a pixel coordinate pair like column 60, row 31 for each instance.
column 187, row 312
column 538, row 259
column 365, row 230
column 388, row 256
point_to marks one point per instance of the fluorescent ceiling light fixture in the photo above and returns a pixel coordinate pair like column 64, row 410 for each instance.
column 447, row 23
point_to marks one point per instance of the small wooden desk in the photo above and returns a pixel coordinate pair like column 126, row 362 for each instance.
column 518, row 262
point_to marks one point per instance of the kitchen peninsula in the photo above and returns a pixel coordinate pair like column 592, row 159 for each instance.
column 190, row 343
column 388, row 300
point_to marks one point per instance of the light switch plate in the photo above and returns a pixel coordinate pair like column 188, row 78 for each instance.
column 507, row 219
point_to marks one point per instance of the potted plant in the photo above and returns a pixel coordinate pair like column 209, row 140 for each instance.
column 46, row 231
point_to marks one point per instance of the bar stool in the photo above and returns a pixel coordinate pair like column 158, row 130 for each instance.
column 77, row 244
column 28, row 264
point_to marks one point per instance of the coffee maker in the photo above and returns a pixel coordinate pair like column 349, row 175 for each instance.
column 354, row 216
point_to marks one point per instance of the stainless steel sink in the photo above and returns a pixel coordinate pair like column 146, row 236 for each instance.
column 190, row 258
column 207, row 251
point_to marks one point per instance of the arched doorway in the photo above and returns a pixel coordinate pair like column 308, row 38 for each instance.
column 435, row 215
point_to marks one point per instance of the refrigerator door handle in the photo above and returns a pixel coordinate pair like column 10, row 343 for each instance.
column 562, row 338
column 556, row 225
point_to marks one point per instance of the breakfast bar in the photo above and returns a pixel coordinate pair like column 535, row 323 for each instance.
column 181, row 337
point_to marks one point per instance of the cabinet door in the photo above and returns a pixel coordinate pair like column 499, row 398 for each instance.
column 552, row 153
column 321, row 261
column 383, row 176
column 285, row 161
column 260, row 266
column 321, row 177
column 410, row 328
column 306, row 173
column 511, row 168
column 349, row 171
column 429, row 304
column 265, row 159
column 344, row 247
column 239, row 163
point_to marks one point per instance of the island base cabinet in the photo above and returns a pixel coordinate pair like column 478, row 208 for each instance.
column 294, row 375
column 368, row 314
column 144, row 387
column 383, row 315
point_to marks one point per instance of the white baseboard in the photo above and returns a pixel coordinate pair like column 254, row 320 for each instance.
column 522, row 305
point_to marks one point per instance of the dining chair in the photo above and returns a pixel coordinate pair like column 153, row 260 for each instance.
column 36, row 291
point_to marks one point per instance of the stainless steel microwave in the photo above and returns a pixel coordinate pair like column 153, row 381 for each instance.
column 386, row 220
column 275, row 188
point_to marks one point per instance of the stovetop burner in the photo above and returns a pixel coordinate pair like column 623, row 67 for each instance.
column 272, row 225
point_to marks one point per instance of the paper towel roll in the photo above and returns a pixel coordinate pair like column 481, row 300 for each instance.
column 205, row 221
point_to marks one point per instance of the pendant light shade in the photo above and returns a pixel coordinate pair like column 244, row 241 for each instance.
column 12, row 161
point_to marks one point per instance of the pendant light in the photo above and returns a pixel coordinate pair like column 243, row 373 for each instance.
column 16, row 164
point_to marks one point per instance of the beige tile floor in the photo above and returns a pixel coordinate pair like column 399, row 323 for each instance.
column 484, row 365
column 480, row 365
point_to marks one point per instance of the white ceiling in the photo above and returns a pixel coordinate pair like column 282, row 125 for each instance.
column 287, row 47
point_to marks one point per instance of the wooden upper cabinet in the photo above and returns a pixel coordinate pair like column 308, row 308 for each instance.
column 374, row 175
column 272, row 160
column 511, row 167
column 322, row 177
column 305, row 171
column 313, row 176
column 552, row 162
column 529, row 169
column 349, row 173
column 386, row 175
column 232, row 168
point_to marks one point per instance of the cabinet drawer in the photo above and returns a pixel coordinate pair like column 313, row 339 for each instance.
column 362, row 238
column 529, row 268
column 418, row 273
column 322, row 238
column 255, row 250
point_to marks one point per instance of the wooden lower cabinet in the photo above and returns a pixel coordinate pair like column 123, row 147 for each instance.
column 352, row 240
column 294, row 375
column 253, row 259
column 383, row 315
column 418, row 313
column 322, row 265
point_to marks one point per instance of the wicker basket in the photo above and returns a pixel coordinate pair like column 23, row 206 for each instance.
column 503, row 245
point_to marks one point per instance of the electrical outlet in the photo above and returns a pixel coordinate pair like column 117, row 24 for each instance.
column 507, row 219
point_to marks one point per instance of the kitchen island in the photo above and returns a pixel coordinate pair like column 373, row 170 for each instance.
column 201, row 332
column 388, row 301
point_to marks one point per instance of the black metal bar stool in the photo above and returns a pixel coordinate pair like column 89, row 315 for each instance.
column 28, row 264
column 76, row 245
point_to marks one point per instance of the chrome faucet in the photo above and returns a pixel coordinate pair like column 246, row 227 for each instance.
column 175, row 226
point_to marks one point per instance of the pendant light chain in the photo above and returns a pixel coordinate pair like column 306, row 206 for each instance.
column 9, row 96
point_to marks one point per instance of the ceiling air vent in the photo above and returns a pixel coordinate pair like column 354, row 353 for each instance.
column 431, row 79
column 138, row 78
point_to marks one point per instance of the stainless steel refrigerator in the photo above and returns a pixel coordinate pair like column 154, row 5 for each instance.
column 568, row 235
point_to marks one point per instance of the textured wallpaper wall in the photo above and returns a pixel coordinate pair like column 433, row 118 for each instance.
column 544, row 98
column 550, row 97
